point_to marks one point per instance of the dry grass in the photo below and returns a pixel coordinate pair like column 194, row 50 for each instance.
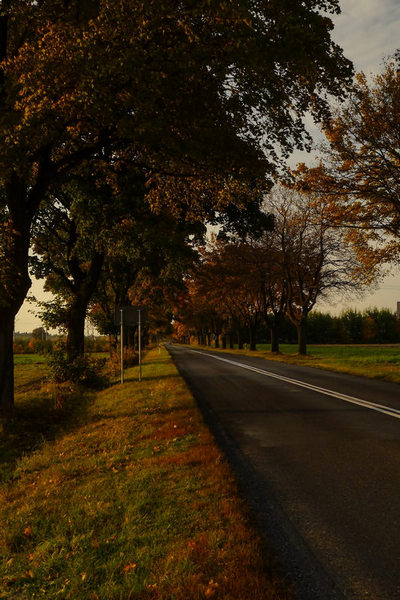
column 127, row 497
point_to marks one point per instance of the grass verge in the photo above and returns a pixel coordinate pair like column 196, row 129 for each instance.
column 373, row 361
column 129, row 498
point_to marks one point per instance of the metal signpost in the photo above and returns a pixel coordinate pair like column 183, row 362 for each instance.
column 131, row 316
column 140, row 342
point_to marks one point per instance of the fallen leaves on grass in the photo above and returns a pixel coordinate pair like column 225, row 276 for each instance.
column 129, row 567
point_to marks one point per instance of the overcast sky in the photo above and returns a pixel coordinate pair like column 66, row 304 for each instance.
column 368, row 31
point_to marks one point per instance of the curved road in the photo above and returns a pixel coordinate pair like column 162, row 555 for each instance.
column 318, row 455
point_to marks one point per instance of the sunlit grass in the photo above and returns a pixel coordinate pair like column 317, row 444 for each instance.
column 128, row 498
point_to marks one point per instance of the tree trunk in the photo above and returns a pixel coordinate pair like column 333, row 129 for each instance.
column 252, row 335
column 302, row 336
column 231, row 342
column 77, row 311
column 239, row 340
column 6, row 362
column 15, row 281
column 216, row 340
column 223, row 339
column 274, row 331
column 76, row 331
column 274, row 338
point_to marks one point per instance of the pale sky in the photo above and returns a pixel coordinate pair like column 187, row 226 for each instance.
column 368, row 31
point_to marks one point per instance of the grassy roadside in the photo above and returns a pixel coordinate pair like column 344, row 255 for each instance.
column 129, row 498
column 373, row 361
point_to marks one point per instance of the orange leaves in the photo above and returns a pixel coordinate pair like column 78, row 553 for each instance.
column 28, row 531
column 129, row 567
column 211, row 589
column 28, row 574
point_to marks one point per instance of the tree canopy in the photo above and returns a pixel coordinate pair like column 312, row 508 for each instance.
column 285, row 271
column 360, row 166
column 202, row 95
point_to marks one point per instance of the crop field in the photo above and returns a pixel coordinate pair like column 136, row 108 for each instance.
column 374, row 361
column 29, row 359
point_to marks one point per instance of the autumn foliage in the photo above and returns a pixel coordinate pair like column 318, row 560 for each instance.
column 283, row 272
column 202, row 98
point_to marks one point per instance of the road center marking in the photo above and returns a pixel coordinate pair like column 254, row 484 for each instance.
column 386, row 410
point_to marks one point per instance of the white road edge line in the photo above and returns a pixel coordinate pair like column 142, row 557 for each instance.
column 386, row 410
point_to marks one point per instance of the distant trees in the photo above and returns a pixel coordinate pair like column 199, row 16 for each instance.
column 283, row 272
column 369, row 326
column 315, row 259
column 223, row 286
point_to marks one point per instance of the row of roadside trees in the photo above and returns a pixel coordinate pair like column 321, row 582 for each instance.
column 356, row 189
column 120, row 118
column 282, row 272
column 127, row 127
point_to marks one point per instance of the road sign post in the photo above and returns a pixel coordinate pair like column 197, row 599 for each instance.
column 140, row 343
column 122, row 345
column 131, row 316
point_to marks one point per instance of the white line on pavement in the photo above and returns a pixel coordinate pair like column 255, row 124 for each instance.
column 387, row 410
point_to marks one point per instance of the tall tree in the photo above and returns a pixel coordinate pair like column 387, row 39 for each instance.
column 86, row 234
column 316, row 258
column 195, row 91
column 359, row 169
column 145, row 268
column 266, row 263
column 70, row 238
column 363, row 164
column 224, row 290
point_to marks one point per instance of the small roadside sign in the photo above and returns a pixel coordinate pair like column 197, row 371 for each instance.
column 132, row 315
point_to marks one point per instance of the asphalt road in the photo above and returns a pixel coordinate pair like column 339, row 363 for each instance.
column 318, row 456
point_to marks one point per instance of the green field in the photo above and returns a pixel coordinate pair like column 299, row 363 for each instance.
column 122, row 494
column 28, row 359
column 374, row 361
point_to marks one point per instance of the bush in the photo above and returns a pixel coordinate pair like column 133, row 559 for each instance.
column 83, row 369
column 130, row 360
column 41, row 346
column 97, row 344
column 21, row 346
